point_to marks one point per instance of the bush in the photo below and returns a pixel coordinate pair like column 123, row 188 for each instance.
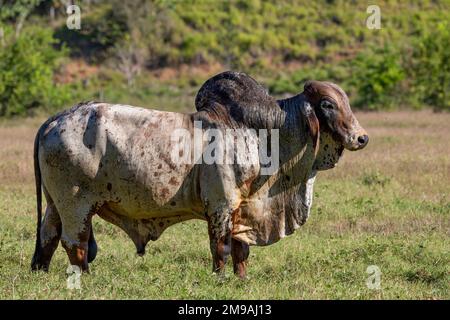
column 27, row 65
column 376, row 77
column 283, row 43
column 99, row 32
column 430, row 69
column 293, row 83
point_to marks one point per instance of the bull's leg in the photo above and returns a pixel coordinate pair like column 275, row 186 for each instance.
column 239, row 253
column 76, row 231
column 50, row 236
column 77, row 249
column 219, row 230
column 221, row 198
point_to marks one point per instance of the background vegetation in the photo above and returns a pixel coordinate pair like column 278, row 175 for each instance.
column 157, row 53
column 387, row 205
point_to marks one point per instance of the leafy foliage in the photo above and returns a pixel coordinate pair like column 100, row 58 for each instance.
column 26, row 78
column 405, row 64
column 376, row 77
column 99, row 32
column 430, row 69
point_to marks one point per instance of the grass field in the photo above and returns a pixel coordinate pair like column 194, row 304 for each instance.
column 387, row 205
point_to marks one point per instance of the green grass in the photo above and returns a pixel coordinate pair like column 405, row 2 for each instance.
column 327, row 258
column 373, row 209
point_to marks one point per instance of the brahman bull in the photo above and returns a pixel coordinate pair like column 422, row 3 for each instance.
column 115, row 161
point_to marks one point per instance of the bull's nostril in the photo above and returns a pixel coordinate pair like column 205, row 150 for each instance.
column 363, row 139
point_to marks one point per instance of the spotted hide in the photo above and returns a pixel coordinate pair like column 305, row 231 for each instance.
column 116, row 161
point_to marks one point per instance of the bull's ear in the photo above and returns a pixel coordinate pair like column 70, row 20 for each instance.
column 308, row 86
column 313, row 124
column 311, row 90
column 311, row 86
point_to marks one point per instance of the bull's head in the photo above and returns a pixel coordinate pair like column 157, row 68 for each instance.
column 338, row 126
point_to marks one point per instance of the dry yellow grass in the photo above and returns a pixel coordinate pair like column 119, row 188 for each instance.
column 16, row 151
column 413, row 148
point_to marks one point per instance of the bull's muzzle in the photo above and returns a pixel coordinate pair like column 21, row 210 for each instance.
column 357, row 141
column 363, row 140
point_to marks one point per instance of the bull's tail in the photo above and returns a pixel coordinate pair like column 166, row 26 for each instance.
column 38, row 179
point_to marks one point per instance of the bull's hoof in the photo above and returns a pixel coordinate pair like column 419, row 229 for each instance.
column 242, row 277
column 37, row 264
column 39, row 267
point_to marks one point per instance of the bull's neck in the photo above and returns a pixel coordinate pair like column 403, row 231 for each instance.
column 289, row 189
column 292, row 102
column 294, row 124
column 295, row 162
column 294, row 136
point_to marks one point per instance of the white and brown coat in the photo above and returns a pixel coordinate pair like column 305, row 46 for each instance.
column 114, row 161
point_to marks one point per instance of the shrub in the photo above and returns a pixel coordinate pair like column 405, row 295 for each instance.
column 26, row 73
column 376, row 77
column 430, row 68
column 98, row 34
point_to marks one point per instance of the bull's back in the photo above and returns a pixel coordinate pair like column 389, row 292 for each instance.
column 120, row 155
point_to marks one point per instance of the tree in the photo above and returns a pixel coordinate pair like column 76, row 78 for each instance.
column 130, row 56
column 131, row 52
column 430, row 69
column 376, row 76
column 16, row 11
column 27, row 65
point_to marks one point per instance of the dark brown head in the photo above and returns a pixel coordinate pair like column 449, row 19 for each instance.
column 332, row 108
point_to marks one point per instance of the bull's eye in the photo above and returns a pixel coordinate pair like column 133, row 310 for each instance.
column 326, row 104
